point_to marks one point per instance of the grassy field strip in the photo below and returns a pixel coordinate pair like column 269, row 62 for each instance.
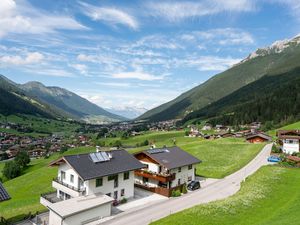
column 269, row 197
column 220, row 158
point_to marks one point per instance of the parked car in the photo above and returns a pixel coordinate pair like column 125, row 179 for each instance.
column 193, row 185
column 274, row 158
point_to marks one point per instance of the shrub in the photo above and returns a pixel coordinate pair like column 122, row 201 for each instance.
column 184, row 190
column 11, row 169
column 275, row 149
column 22, row 159
column 176, row 193
column 123, row 200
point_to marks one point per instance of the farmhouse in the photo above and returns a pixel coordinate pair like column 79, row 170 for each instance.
column 166, row 169
column 289, row 140
column 258, row 138
column 90, row 183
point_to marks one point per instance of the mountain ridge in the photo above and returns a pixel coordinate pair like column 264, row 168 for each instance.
column 225, row 83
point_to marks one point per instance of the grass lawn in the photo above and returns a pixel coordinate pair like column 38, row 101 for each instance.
column 220, row 158
column 293, row 126
column 269, row 197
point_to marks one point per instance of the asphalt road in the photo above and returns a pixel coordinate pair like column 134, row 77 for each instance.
column 221, row 189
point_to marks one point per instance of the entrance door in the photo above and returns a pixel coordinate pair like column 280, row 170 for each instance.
column 116, row 195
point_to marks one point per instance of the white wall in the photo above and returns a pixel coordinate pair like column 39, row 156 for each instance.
column 89, row 215
column 291, row 148
column 108, row 186
column 183, row 175
column 54, row 219
column 152, row 166
column 82, row 217
column 69, row 171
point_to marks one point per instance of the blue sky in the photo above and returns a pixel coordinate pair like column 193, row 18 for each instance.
column 135, row 53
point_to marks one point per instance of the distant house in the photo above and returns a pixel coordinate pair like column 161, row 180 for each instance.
column 224, row 134
column 289, row 140
column 220, row 128
column 87, row 184
column 194, row 132
column 258, row 138
column 166, row 169
column 3, row 193
column 36, row 153
column 207, row 127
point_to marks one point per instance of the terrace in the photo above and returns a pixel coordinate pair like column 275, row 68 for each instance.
column 155, row 176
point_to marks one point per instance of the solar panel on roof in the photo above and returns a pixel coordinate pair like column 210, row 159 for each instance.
column 155, row 151
column 3, row 193
column 99, row 157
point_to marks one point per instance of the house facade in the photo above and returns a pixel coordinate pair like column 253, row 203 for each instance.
column 289, row 140
column 104, row 176
column 166, row 169
column 258, row 138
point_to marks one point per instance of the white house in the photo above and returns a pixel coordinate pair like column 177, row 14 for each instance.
column 87, row 184
column 166, row 169
column 289, row 140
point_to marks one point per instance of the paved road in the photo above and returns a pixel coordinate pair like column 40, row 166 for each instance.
column 221, row 189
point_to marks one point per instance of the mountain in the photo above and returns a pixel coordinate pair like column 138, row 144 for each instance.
column 69, row 103
column 273, row 98
column 280, row 57
column 13, row 100
column 128, row 112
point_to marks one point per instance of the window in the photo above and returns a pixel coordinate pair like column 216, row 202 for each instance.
column 108, row 194
column 112, row 177
column 190, row 167
column 62, row 175
column 99, row 182
column 72, row 178
column 190, row 178
column 126, row 175
column 179, row 181
column 179, row 169
column 122, row 192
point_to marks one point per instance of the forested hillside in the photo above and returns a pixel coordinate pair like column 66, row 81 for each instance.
column 273, row 98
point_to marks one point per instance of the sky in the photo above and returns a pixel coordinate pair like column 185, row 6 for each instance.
column 132, row 53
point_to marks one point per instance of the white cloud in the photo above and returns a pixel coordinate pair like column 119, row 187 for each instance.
column 29, row 58
column 136, row 75
column 80, row 67
column 176, row 11
column 20, row 17
column 113, row 84
column 111, row 16
column 212, row 63
column 53, row 72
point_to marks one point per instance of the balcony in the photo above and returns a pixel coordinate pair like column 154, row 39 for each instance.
column 155, row 176
column 66, row 188
column 49, row 198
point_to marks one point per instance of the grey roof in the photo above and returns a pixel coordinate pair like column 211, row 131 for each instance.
column 3, row 193
column 171, row 157
column 262, row 135
column 121, row 161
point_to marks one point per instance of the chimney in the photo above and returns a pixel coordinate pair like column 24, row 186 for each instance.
column 98, row 148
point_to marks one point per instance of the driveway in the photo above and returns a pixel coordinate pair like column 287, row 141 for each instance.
column 217, row 190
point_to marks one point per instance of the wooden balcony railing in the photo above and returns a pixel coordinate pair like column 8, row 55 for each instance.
column 155, row 176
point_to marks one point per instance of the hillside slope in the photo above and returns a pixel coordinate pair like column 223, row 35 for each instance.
column 13, row 100
column 280, row 57
column 271, row 98
column 68, row 102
